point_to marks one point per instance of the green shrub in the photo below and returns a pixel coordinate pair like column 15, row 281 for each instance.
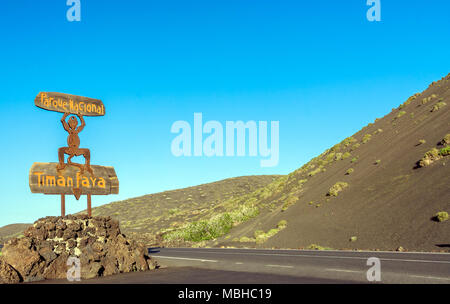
column 291, row 200
column 354, row 160
column 261, row 236
column 438, row 106
column 353, row 239
column 317, row 247
column 366, row 138
column 336, row 188
column 346, row 155
column 245, row 239
column 400, row 114
column 441, row 216
column 216, row 226
column 314, row 172
column 445, row 151
column 336, row 148
column 422, row 141
column 173, row 211
column 322, row 162
column 349, row 171
column 272, row 232
column 258, row 233
column 349, row 140
column 302, row 181
column 378, row 131
column 446, row 140
column 428, row 99
column 355, row 146
column 434, row 155
column 330, row 157
column 377, row 162
column 282, row 224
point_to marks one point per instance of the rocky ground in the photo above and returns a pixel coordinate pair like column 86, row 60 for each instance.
column 42, row 253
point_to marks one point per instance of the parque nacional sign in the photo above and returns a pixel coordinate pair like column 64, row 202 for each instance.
column 66, row 103
column 69, row 178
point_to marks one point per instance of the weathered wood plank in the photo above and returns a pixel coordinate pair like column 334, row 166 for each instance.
column 67, row 103
column 44, row 178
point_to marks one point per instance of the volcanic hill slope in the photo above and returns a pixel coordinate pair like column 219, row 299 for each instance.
column 145, row 218
column 367, row 192
column 10, row 231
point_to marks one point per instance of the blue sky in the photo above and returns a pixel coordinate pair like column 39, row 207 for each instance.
column 318, row 67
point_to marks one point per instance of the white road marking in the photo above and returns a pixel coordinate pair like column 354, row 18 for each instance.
column 429, row 277
column 280, row 266
column 342, row 270
column 317, row 256
column 188, row 259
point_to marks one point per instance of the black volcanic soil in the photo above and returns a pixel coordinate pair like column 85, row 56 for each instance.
column 386, row 205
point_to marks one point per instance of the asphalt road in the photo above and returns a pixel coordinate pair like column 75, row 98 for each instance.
column 261, row 266
column 295, row 266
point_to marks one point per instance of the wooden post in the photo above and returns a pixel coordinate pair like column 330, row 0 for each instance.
column 89, row 205
column 63, row 205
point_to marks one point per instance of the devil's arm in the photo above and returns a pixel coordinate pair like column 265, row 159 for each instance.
column 64, row 123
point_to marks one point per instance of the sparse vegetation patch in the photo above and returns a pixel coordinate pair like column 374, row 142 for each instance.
column 428, row 99
column 260, row 236
column 291, row 200
column 438, row 106
column 400, row 114
column 434, row 155
column 336, row 188
column 366, row 138
column 214, row 227
column 441, row 216
column 446, row 140
column 318, row 247
column 348, row 141
column 355, row 146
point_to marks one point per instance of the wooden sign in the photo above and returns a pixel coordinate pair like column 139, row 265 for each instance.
column 45, row 178
column 72, row 178
column 66, row 103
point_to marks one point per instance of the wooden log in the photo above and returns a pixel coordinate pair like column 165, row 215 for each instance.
column 67, row 103
column 45, row 178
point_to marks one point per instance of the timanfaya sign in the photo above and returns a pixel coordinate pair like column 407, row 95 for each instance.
column 45, row 178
